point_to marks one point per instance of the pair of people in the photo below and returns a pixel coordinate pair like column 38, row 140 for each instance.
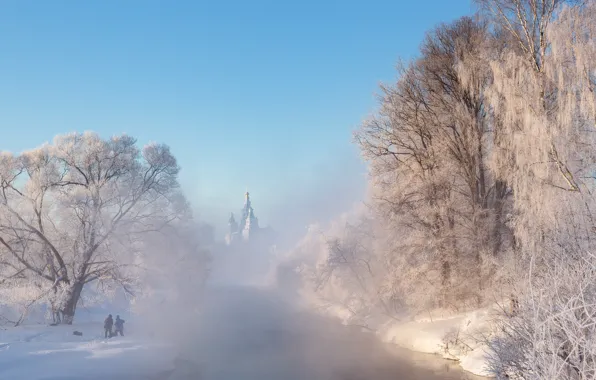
column 118, row 325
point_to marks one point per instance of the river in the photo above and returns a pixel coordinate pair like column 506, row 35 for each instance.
column 249, row 334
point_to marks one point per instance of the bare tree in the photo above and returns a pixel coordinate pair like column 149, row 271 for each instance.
column 72, row 212
column 429, row 147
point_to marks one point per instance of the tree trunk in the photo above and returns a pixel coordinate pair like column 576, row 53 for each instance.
column 500, row 191
column 445, row 273
column 70, row 304
column 481, row 173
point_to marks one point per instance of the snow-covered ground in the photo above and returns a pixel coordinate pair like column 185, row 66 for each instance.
column 37, row 352
column 457, row 337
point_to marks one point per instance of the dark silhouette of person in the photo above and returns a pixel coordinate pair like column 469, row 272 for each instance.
column 119, row 326
column 107, row 326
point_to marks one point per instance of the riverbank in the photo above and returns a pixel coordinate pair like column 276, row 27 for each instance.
column 457, row 337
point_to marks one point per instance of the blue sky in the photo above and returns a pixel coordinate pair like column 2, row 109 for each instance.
column 263, row 94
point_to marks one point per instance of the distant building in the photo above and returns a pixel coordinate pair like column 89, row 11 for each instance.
column 247, row 230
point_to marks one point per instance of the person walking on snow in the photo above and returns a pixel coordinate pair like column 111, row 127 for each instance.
column 107, row 326
column 119, row 325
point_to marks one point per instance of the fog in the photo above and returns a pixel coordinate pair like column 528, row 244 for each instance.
column 247, row 324
column 253, row 333
column 287, row 203
column 243, row 327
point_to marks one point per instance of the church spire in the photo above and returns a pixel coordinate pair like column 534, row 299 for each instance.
column 247, row 200
column 247, row 225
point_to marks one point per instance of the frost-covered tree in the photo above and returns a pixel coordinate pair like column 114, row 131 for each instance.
column 482, row 161
column 543, row 97
column 342, row 270
column 75, row 213
column 428, row 147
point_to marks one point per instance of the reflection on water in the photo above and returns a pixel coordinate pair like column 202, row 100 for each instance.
column 249, row 334
column 441, row 368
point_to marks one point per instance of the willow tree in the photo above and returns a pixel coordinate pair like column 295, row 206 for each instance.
column 543, row 94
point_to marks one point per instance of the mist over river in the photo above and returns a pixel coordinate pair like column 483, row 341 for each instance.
column 248, row 333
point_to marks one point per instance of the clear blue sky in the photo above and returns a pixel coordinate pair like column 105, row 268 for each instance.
column 263, row 94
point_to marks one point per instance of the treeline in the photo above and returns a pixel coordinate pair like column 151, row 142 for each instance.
column 482, row 162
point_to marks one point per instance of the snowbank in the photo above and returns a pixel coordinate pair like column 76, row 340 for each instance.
column 460, row 337
column 457, row 337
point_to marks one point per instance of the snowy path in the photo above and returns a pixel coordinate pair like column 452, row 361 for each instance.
column 244, row 334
